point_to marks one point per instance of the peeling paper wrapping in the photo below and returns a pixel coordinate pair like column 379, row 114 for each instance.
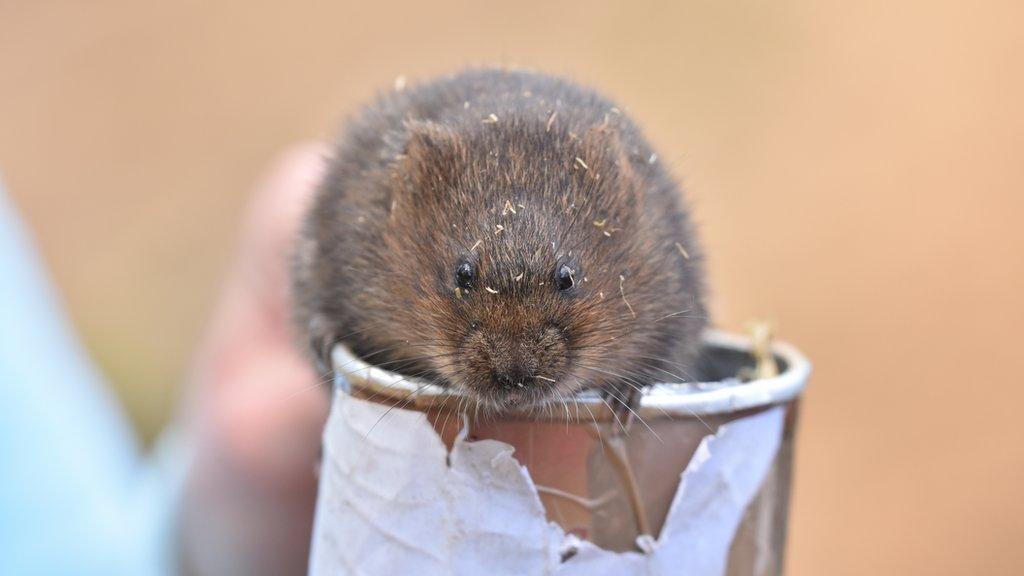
column 392, row 500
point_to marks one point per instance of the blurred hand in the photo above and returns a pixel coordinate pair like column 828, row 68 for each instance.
column 255, row 409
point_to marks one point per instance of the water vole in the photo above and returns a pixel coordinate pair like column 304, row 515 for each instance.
column 508, row 233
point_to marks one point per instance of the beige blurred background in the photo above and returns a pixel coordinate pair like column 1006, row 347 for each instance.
column 856, row 168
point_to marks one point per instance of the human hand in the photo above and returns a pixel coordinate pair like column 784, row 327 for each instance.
column 255, row 408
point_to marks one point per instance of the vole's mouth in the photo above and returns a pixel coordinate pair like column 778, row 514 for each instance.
column 526, row 394
column 512, row 400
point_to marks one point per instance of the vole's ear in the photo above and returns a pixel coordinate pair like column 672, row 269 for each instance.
column 426, row 153
column 425, row 140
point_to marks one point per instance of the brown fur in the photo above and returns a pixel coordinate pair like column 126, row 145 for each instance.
column 422, row 179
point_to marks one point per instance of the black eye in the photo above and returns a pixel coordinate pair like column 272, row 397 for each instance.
column 465, row 273
column 565, row 280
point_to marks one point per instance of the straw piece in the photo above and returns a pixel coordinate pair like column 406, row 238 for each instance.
column 615, row 451
column 682, row 251
column 761, row 336
column 551, row 120
column 622, row 291
column 588, row 504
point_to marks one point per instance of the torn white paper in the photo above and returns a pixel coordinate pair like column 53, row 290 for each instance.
column 392, row 500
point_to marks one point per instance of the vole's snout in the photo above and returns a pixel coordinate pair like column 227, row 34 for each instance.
column 513, row 361
column 513, row 368
column 508, row 379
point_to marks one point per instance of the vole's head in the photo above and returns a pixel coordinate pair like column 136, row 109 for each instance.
column 513, row 260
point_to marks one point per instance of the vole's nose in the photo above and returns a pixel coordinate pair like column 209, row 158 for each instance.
column 511, row 379
column 515, row 364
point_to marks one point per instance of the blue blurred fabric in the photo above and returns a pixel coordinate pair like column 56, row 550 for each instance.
column 77, row 495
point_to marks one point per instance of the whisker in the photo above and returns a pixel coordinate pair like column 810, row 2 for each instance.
column 388, row 411
column 625, row 404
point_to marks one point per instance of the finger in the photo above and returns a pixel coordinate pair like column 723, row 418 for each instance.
column 255, row 410
column 257, row 392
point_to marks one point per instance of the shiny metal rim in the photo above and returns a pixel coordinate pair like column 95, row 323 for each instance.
column 671, row 399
